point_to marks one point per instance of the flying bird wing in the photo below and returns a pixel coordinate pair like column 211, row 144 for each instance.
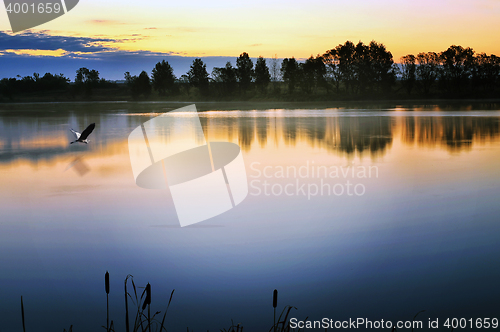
column 77, row 134
column 87, row 131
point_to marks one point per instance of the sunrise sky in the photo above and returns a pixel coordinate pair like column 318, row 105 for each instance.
column 153, row 29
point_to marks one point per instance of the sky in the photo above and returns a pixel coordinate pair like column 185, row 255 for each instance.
column 117, row 36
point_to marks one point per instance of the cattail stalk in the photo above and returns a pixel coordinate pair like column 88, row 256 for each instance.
column 106, row 286
column 275, row 304
column 22, row 314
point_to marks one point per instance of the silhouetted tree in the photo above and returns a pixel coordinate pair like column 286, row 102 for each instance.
column 362, row 67
column 427, row 70
column 305, row 77
column 86, row 79
column 163, row 78
column 198, row 76
column 353, row 69
column 333, row 73
column 8, row 87
column 486, row 72
column 262, row 76
column 275, row 73
column 344, row 62
column 244, row 71
column 363, row 70
column 382, row 66
column 290, row 73
column 51, row 82
column 408, row 72
column 312, row 74
column 184, row 83
column 274, row 69
column 144, row 84
column 138, row 85
column 457, row 65
column 29, row 84
column 225, row 77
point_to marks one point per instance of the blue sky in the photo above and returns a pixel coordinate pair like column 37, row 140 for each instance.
column 85, row 52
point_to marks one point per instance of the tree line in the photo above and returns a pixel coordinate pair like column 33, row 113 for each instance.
column 347, row 71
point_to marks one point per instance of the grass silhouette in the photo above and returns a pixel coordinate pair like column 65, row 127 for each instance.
column 144, row 322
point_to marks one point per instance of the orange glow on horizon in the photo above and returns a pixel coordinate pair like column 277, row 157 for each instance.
column 281, row 28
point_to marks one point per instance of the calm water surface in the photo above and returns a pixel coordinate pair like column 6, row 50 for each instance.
column 414, row 228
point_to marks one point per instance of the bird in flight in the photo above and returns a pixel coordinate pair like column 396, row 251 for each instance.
column 82, row 138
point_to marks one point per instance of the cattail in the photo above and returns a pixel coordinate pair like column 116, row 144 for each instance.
column 22, row 314
column 106, row 287
column 275, row 304
column 147, row 300
column 106, row 282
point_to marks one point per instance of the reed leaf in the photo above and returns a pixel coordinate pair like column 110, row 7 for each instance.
column 147, row 300
column 127, row 324
column 22, row 314
column 165, row 314
column 414, row 318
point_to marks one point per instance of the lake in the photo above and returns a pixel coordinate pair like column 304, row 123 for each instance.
column 354, row 210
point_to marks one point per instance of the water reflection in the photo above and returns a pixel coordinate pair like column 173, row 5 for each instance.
column 456, row 133
column 354, row 135
column 426, row 225
column 349, row 133
column 79, row 165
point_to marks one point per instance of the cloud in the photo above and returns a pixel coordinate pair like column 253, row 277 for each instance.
column 120, row 54
column 30, row 44
column 42, row 41
column 29, row 52
column 56, row 53
column 105, row 22
column 110, row 64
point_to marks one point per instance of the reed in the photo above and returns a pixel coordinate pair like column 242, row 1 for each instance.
column 149, row 323
column 106, row 287
column 413, row 320
column 147, row 302
column 275, row 304
column 143, row 322
column 239, row 328
column 281, row 325
column 22, row 314
column 127, row 324
column 165, row 314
